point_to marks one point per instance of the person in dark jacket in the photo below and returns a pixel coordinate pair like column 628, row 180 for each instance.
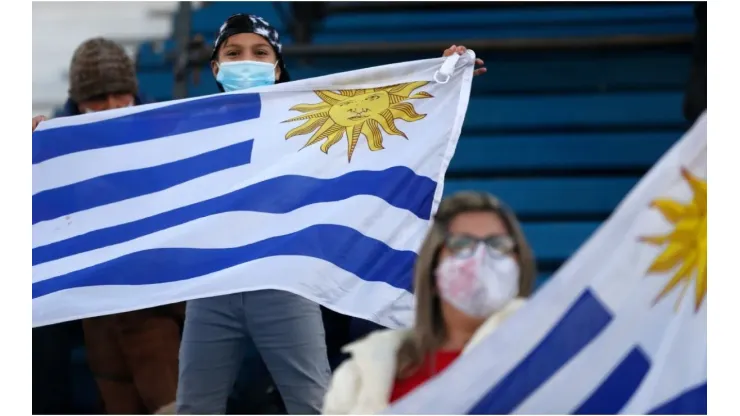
column 133, row 355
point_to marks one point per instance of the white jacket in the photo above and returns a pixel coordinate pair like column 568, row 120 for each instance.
column 363, row 383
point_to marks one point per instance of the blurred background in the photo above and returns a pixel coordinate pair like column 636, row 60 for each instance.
column 580, row 99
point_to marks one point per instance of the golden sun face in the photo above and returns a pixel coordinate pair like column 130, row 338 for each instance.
column 360, row 108
column 686, row 244
column 351, row 113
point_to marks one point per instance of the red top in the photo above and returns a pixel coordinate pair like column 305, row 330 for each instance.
column 426, row 371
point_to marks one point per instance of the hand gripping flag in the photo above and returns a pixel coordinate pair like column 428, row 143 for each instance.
column 322, row 187
column 621, row 328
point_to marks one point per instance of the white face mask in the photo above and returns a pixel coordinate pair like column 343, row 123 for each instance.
column 478, row 285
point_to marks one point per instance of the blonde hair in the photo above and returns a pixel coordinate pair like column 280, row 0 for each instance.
column 429, row 331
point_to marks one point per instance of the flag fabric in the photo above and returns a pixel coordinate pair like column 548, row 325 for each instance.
column 322, row 187
column 621, row 328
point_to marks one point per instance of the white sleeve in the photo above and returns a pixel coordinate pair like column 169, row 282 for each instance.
column 341, row 397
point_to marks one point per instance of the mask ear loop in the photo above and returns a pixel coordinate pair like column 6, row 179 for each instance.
column 274, row 67
column 218, row 84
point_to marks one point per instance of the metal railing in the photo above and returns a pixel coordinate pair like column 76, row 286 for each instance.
column 181, row 67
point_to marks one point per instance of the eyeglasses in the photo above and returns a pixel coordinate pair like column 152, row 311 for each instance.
column 463, row 245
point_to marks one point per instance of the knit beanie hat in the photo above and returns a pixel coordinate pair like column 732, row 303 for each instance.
column 100, row 67
column 248, row 23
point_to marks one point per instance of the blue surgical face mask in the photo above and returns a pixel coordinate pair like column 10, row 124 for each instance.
column 240, row 75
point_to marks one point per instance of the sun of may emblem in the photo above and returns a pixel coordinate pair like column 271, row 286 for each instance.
column 686, row 244
column 352, row 113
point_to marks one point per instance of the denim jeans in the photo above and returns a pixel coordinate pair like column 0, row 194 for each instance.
column 288, row 332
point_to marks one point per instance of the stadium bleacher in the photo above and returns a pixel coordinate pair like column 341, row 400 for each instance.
column 580, row 99
column 561, row 132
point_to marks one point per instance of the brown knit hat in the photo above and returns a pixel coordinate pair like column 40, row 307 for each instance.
column 99, row 67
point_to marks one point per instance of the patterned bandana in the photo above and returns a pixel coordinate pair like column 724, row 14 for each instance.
column 247, row 23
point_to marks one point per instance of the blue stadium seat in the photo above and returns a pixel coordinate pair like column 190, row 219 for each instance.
column 542, row 22
column 475, row 24
column 493, row 32
column 206, row 20
column 527, row 112
column 622, row 15
column 562, row 136
column 569, row 111
column 553, row 197
column 544, row 71
column 573, row 152
column 395, row 26
column 153, row 56
column 554, row 242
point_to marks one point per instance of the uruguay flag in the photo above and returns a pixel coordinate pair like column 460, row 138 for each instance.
column 621, row 328
column 322, row 187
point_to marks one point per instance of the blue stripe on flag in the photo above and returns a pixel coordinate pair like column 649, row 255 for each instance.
column 119, row 186
column 399, row 186
column 614, row 392
column 367, row 258
column 691, row 402
column 580, row 325
column 170, row 120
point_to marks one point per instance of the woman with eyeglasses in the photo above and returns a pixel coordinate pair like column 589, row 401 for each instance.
column 473, row 271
